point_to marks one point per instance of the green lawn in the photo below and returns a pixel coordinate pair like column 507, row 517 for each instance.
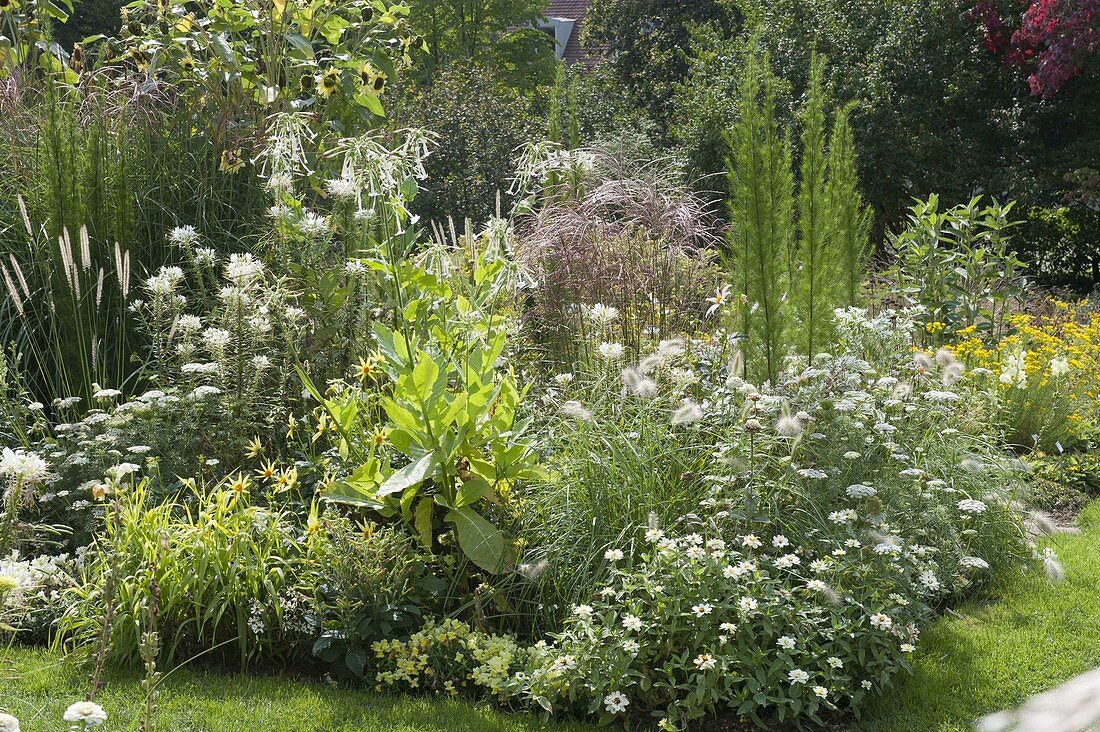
column 984, row 658
column 37, row 688
column 993, row 656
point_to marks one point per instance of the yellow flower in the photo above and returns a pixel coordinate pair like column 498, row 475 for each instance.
column 267, row 471
column 290, row 426
column 255, row 449
column 239, row 483
column 286, row 479
column 322, row 426
column 371, row 80
column 328, row 82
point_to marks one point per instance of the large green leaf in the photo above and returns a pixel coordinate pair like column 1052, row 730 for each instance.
column 411, row 475
column 482, row 542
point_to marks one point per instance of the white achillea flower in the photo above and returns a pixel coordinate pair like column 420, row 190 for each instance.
column 859, row 490
column 881, row 621
column 974, row 563
column 889, row 545
column 969, row 505
column 632, row 622
column 798, row 676
column 813, row 473
column 107, row 394
column 87, row 713
column 852, row 455
column 611, row 351
column 201, row 368
column 204, row 391
column 940, row 397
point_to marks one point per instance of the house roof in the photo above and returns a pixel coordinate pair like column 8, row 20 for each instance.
column 573, row 10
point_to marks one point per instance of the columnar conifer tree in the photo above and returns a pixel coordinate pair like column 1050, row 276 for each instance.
column 762, row 226
column 849, row 217
column 816, row 279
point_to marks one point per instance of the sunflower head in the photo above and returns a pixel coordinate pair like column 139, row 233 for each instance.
column 329, row 82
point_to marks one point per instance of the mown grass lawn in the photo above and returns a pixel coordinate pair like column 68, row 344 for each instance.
column 37, row 687
column 993, row 655
column 982, row 658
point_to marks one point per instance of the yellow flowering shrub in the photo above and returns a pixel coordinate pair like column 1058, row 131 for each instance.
column 1071, row 332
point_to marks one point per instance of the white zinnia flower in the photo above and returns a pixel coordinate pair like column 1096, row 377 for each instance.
column 88, row 713
column 798, row 676
column 705, row 661
column 616, row 702
column 632, row 622
column 613, row 555
column 881, row 621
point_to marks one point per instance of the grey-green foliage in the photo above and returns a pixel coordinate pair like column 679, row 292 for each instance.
column 849, row 216
column 816, row 278
column 761, row 229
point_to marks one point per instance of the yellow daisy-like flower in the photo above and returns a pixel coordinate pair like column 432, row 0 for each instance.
column 255, row 449
column 291, row 426
column 267, row 471
column 367, row 368
column 286, row 479
column 380, row 436
column 239, row 483
column 322, row 427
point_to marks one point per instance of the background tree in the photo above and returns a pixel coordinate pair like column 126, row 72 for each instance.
column 501, row 34
column 647, row 42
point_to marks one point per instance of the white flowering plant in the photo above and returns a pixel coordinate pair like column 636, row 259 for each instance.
column 757, row 625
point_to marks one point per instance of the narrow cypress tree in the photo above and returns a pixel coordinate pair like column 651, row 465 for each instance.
column 573, row 132
column 554, row 126
column 849, row 217
column 761, row 221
